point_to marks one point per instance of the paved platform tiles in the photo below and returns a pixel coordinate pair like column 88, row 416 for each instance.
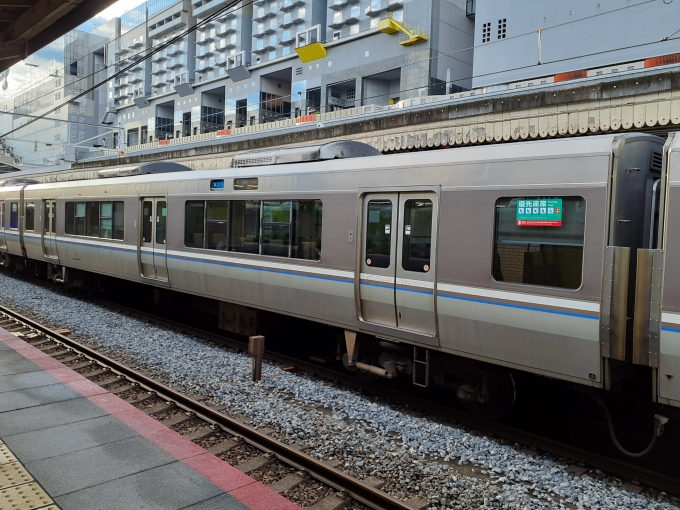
column 67, row 443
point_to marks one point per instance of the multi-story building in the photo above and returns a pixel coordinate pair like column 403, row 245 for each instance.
column 519, row 41
column 241, row 66
column 57, row 75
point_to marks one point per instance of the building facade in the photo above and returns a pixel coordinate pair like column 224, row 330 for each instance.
column 521, row 41
column 241, row 66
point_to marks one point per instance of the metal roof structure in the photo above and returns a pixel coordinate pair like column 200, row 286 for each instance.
column 28, row 25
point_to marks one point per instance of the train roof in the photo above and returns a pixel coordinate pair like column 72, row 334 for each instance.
column 600, row 145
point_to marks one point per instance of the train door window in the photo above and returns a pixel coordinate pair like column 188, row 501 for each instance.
column 245, row 226
column 276, row 228
column 14, row 215
column 307, row 229
column 106, row 220
column 194, row 211
column 48, row 216
column 417, row 235
column 378, row 234
column 147, row 218
column 217, row 224
column 118, row 220
column 161, row 221
column 30, row 216
column 92, row 219
column 539, row 241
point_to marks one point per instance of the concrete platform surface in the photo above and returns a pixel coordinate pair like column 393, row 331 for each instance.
column 67, row 443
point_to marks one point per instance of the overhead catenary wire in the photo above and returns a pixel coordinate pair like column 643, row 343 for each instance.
column 231, row 6
column 152, row 51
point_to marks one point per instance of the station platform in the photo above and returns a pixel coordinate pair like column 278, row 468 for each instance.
column 67, row 443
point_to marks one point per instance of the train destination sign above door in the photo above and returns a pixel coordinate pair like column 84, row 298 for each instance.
column 541, row 212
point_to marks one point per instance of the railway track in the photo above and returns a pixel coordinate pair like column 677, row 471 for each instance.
column 58, row 344
column 335, row 478
column 622, row 469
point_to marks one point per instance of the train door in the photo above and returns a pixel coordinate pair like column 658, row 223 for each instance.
column 397, row 279
column 3, row 244
column 50, row 228
column 152, row 244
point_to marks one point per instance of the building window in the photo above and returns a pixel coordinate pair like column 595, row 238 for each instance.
column 272, row 55
column 354, row 29
column 486, row 32
column 501, row 28
column 539, row 241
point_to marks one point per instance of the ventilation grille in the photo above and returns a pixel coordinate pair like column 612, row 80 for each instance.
column 250, row 161
column 657, row 160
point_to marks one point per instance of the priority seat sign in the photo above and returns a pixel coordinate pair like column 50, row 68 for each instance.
column 542, row 212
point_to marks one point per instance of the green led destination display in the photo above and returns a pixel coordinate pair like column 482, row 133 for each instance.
column 541, row 212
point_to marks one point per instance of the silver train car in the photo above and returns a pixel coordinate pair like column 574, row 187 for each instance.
column 450, row 267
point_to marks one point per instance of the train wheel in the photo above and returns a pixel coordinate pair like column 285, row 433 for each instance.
column 502, row 397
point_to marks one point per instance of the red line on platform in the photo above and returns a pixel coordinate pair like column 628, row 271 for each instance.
column 240, row 486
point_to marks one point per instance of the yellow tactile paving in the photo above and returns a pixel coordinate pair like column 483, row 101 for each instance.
column 13, row 474
column 18, row 491
column 28, row 496
column 6, row 456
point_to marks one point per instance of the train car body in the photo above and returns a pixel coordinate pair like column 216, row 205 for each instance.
column 517, row 255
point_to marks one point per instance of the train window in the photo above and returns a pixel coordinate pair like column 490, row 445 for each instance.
column 92, row 219
column 415, row 255
column 245, row 226
column 106, row 220
column 118, row 220
column 14, row 215
column 276, row 228
column 539, row 241
column 147, row 218
column 194, row 212
column 80, row 213
column 193, row 223
column 245, row 184
column 30, row 216
column 378, row 233
column 217, row 225
column 307, row 229
column 161, row 221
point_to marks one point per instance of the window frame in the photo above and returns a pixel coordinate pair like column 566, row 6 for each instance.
column 16, row 227
column 292, row 225
column 494, row 242
column 26, row 207
column 72, row 204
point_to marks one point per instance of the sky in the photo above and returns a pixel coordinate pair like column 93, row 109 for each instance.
column 117, row 9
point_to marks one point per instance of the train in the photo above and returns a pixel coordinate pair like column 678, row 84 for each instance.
column 456, row 267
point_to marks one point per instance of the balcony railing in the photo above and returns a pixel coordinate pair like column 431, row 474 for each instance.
column 379, row 6
column 338, row 5
column 287, row 5
column 470, row 8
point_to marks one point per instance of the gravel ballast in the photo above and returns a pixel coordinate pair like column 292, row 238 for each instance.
column 414, row 456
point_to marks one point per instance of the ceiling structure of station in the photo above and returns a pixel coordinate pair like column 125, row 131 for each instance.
column 28, row 25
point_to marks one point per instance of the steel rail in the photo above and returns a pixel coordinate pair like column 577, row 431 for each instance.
column 357, row 489
column 616, row 467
